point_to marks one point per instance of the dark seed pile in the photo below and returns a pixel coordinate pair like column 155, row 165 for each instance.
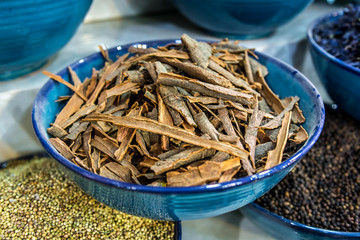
column 38, row 202
column 341, row 37
column 323, row 190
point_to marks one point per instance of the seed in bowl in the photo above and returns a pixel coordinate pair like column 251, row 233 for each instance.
column 323, row 190
column 341, row 36
column 183, row 114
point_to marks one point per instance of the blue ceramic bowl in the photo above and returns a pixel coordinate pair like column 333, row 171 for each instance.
column 243, row 19
column 32, row 31
column 180, row 203
column 341, row 80
column 284, row 229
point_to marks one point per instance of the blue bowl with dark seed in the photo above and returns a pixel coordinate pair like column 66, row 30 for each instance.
column 334, row 49
column 33, row 31
column 283, row 229
column 179, row 203
column 241, row 19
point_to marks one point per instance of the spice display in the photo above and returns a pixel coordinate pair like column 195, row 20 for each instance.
column 183, row 114
column 323, row 190
column 38, row 202
column 341, row 37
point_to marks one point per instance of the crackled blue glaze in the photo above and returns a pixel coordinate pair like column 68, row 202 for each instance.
column 284, row 229
column 179, row 203
column 341, row 80
column 242, row 19
column 31, row 31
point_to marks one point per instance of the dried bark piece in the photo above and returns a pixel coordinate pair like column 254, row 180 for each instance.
column 300, row 136
column 220, row 156
column 105, row 172
column 57, row 131
column 234, row 80
column 199, row 73
column 171, row 152
column 275, row 156
column 247, row 66
column 92, row 84
column 105, row 146
column 199, row 51
column 247, row 110
column 228, row 127
column 121, row 171
column 149, row 125
column 95, row 156
column 163, row 54
column 262, row 150
column 229, row 174
column 164, row 117
column 202, row 99
column 75, row 78
column 251, row 132
column 76, row 144
column 229, row 164
column 81, row 163
column 140, row 50
column 209, row 171
column 173, row 99
column 182, row 158
column 297, row 115
column 204, row 88
column 271, row 98
column 205, row 125
column 240, row 115
column 256, row 66
column 62, row 148
column 61, row 80
column 76, row 129
column 111, row 72
column 104, row 53
column 85, row 110
column 122, row 88
column 276, row 122
column 86, row 139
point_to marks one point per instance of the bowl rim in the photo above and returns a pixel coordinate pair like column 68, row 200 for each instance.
column 291, row 224
column 310, row 36
column 41, row 135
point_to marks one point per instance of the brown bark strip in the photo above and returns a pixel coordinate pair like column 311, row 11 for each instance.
column 75, row 78
column 204, row 88
column 182, row 158
column 248, row 70
column 247, row 110
column 62, row 148
column 76, row 129
column 227, row 124
column 93, row 81
column 104, row 53
column 61, row 80
column 85, row 110
column 276, row 122
column 229, row 174
column 220, row 156
column 202, row 99
column 271, row 98
column 297, row 115
column 300, row 136
column 87, row 147
column 252, row 130
column 199, row 51
column 234, row 80
column 149, row 125
column 164, row 117
column 275, row 156
column 199, row 73
column 122, row 88
column 57, row 131
column 173, row 99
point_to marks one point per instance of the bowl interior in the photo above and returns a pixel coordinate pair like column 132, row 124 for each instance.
column 283, row 79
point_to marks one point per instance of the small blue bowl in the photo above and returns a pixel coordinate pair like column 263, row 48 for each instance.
column 341, row 80
column 283, row 229
column 33, row 31
column 179, row 203
column 242, row 19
